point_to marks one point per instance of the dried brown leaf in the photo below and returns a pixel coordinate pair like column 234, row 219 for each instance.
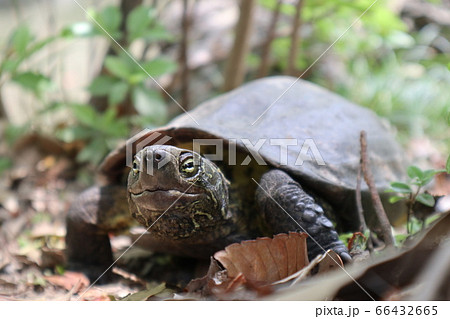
column 265, row 259
column 212, row 278
column 95, row 294
column 280, row 255
column 326, row 262
column 330, row 261
column 69, row 280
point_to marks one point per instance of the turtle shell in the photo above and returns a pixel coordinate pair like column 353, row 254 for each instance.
column 284, row 107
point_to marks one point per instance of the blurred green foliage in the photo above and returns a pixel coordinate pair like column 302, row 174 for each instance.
column 380, row 63
column 101, row 130
column 126, row 76
column 377, row 62
column 126, row 79
column 19, row 48
column 5, row 163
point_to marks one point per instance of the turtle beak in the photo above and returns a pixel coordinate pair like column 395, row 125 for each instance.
column 159, row 171
column 156, row 159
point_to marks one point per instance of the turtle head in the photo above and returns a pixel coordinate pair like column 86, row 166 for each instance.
column 176, row 191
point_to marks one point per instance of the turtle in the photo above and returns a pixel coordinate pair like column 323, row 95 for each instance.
column 275, row 155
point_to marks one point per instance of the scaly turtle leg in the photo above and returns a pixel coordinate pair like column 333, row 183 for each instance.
column 94, row 213
column 281, row 199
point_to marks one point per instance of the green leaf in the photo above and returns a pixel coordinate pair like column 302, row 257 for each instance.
column 110, row 19
column 35, row 82
column 400, row 238
column 85, row 114
column 400, row 188
column 118, row 66
column 12, row 63
column 145, row 294
column 149, row 103
column 157, row 33
column 36, row 47
column 60, row 270
column 78, row 29
column 73, row 133
column 158, row 67
column 21, row 39
column 111, row 126
column 394, row 199
column 137, row 78
column 138, row 21
column 102, row 85
column 415, row 172
column 118, row 93
column 415, row 225
column 268, row 4
column 428, row 176
column 9, row 65
column 94, row 152
column 426, row 199
column 400, row 40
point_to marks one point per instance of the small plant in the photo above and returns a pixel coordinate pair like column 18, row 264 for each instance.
column 125, row 80
column 99, row 130
column 411, row 191
column 126, row 74
column 19, row 48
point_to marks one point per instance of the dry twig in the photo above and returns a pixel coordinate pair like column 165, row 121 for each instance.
column 235, row 69
column 368, row 177
column 362, row 220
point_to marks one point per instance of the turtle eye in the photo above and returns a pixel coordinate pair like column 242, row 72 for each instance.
column 135, row 167
column 188, row 167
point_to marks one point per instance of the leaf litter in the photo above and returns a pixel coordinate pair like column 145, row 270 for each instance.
column 35, row 194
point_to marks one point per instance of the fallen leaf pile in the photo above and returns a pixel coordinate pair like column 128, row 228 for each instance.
column 256, row 268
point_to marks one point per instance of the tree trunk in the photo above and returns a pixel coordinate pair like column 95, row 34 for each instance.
column 295, row 39
column 235, row 69
column 184, row 68
column 265, row 55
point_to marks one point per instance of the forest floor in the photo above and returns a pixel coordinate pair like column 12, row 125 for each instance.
column 35, row 194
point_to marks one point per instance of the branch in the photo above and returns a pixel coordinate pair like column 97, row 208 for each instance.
column 235, row 69
column 362, row 220
column 295, row 38
column 368, row 177
column 359, row 206
column 183, row 55
column 265, row 52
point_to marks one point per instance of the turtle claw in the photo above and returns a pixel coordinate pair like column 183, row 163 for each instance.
column 346, row 258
